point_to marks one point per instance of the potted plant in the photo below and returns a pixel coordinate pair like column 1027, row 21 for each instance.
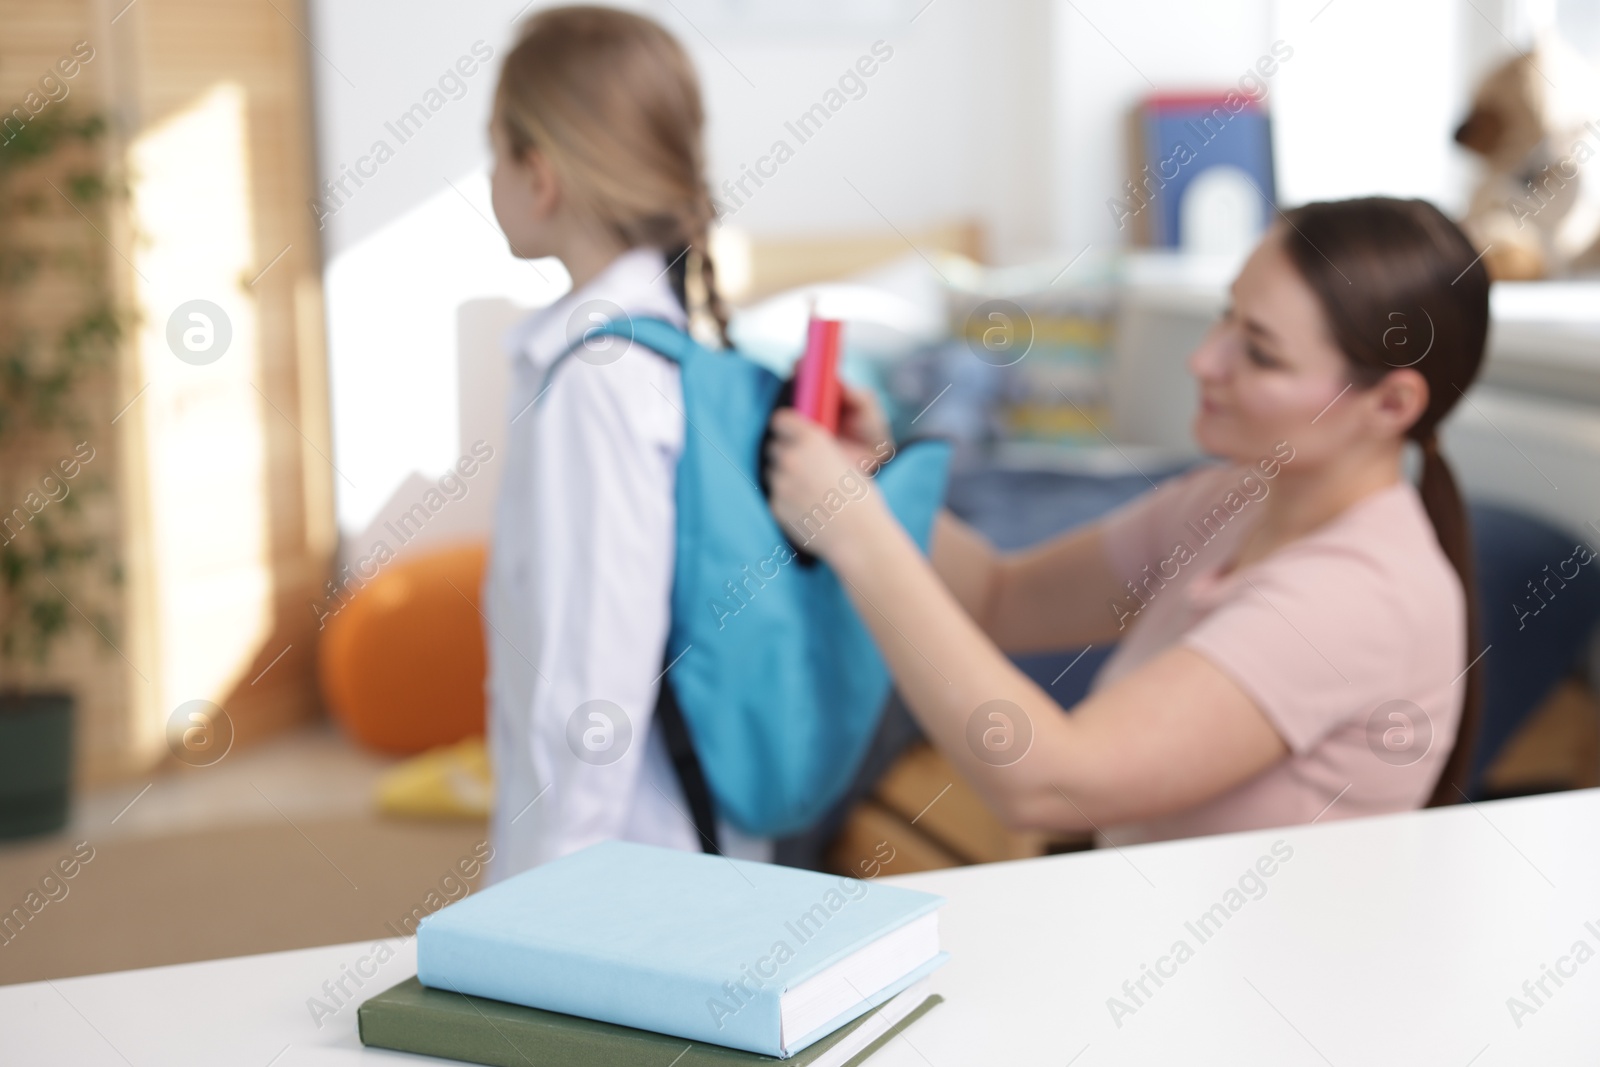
column 58, row 329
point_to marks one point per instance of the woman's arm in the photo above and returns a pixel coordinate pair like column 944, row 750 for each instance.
column 1167, row 737
column 1054, row 595
column 967, row 564
column 1051, row 596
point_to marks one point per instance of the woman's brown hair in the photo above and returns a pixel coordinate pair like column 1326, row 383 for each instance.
column 1401, row 286
column 612, row 101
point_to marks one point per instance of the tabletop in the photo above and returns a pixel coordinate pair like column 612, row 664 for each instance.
column 1457, row 936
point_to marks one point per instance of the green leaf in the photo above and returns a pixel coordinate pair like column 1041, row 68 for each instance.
column 42, row 382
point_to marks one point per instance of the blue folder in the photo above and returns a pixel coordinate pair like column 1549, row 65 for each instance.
column 1211, row 134
column 682, row 943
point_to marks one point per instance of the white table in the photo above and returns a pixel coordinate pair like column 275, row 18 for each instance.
column 1383, row 941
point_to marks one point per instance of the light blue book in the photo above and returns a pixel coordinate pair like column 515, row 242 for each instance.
column 749, row 955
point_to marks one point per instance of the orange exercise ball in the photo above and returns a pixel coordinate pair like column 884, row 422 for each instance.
column 401, row 659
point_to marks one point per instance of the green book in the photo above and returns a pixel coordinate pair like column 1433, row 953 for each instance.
column 412, row 1017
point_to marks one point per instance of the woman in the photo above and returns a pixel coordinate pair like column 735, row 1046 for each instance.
column 1296, row 625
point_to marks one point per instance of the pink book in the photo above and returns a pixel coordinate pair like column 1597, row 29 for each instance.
column 816, row 385
column 829, row 391
column 807, row 374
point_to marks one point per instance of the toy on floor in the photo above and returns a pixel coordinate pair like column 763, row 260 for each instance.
column 1536, row 212
column 448, row 782
column 401, row 662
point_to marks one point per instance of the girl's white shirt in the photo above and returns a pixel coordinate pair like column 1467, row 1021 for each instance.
column 577, row 594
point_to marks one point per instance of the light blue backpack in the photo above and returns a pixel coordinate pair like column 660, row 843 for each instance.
column 774, row 687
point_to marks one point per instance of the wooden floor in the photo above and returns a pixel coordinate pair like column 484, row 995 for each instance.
column 274, row 847
column 142, row 902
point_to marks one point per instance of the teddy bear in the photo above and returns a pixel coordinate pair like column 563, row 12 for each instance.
column 1535, row 122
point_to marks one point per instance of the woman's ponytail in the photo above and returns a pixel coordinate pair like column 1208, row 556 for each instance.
column 1378, row 264
column 1448, row 514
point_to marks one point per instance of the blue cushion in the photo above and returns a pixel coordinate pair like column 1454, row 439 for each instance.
column 1529, row 653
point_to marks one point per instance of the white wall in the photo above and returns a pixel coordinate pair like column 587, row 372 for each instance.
column 1371, row 99
column 950, row 118
column 948, row 127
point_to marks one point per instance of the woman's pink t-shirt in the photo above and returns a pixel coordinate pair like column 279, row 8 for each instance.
column 1351, row 640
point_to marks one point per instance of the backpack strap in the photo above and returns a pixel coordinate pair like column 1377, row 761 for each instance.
column 691, row 776
column 666, row 340
column 658, row 335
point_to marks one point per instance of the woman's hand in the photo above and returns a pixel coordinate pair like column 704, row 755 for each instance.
column 864, row 430
column 819, row 490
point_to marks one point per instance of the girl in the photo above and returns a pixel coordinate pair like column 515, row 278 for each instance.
column 1296, row 625
column 597, row 161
